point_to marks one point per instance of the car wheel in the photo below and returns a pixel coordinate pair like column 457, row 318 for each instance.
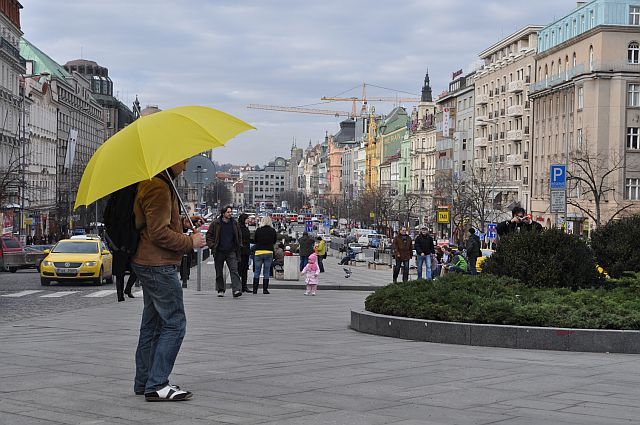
column 44, row 281
column 100, row 278
column 109, row 279
column 13, row 269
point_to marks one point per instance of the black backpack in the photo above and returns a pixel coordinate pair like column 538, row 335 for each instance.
column 120, row 224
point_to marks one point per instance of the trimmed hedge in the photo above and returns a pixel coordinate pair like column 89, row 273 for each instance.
column 617, row 246
column 550, row 259
column 499, row 300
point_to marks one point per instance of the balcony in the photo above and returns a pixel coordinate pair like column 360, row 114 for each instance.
column 480, row 142
column 515, row 86
column 479, row 163
column 481, row 99
column 515, row 159
column 482, row 120
column 490, row 93
column 514, row 135
column 515, row 111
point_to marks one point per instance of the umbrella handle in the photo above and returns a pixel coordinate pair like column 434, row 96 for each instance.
column 182, row 205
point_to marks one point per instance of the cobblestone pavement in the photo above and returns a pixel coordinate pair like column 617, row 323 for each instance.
column 289, row 359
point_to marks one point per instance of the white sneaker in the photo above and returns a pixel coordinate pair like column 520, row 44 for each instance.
column 169, row 393
column 306, row 293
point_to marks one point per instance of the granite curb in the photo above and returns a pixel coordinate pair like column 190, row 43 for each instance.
column 502, row 336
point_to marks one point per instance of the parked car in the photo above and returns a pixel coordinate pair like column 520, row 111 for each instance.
column 37, row 252
column 11, row 253
column 356, row 247
column 77, row 259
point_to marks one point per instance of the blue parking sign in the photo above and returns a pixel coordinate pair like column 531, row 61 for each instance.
column 558, row 178
column 308, row 226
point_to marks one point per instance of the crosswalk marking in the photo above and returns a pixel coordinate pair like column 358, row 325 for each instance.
column 100, row 294
column 20, row 294
column 58, row 294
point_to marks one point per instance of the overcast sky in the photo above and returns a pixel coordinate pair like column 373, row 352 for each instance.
column 229, row 53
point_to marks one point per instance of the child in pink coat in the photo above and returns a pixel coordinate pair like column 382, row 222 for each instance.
column 312, row 271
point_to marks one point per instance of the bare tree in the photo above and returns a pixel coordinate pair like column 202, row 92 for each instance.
column 10, row 173
column 591, row 179
column 480, row 197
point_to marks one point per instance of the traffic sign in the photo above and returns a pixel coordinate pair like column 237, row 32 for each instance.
column 492, row 230
column 558, row 201
column 443, row 217
column 308, row 226
column 558, row 177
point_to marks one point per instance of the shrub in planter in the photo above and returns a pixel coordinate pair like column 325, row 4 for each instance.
column 548, row 259
column 617, row 246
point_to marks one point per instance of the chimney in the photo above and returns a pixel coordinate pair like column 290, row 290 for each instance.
column 579, row 4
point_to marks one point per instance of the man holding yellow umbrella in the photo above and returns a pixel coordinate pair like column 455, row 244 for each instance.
column 153, row 151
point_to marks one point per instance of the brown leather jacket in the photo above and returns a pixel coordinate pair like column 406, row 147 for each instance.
column 162, row 241
column 213, row 236
column 402, row 250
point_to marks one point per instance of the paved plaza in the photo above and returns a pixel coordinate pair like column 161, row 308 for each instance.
column 289, row 359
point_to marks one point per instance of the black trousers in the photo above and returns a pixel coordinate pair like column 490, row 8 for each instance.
column 404, row 264
column 231, row 259
column 243, row 269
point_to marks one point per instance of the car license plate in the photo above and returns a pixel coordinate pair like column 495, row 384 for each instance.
column 66, row 271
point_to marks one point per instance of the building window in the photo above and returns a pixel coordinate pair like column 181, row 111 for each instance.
column 633, row 141
column 579, row 139
column 633, row 95
column 633, row 52
column 633, row 189
column 580, row 97
column 634, row 15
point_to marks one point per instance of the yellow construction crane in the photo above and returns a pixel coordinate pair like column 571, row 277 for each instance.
column 364, row 100
column 304, row 110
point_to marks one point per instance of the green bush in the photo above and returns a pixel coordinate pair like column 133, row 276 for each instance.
column 551, row 259
column 617, row 246
column 500, row 300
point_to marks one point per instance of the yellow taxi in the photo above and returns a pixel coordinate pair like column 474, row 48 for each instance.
column 81, row 258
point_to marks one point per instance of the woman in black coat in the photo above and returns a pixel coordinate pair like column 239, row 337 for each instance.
column 265, row 239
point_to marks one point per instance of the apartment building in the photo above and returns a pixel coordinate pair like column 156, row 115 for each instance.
column 587, row 100
column 503, row 117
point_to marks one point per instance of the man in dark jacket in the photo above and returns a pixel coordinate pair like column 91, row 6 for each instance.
column 305, row 248
column 402, row 252
column 424, row 247
column 224, row 240
column 245, row 252
column 473, row 250
column 520, row 222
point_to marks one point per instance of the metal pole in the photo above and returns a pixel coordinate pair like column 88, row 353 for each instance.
column 199, row 250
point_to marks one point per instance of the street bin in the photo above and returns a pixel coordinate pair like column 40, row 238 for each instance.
column 292, row 267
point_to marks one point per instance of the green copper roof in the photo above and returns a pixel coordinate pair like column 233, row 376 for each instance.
column 41, row 62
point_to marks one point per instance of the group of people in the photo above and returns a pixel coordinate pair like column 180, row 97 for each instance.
column 435, row 260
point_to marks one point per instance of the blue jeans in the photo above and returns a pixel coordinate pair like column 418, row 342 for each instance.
column 262, row 261
column 163, row 326
column 424, row 259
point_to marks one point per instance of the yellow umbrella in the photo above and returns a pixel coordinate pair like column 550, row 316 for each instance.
column 152, row 144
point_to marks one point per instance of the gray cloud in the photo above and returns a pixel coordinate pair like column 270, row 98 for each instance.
column 227, row 54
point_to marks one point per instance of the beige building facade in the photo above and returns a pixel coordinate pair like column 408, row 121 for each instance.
column 587, row 102
column 502, row 141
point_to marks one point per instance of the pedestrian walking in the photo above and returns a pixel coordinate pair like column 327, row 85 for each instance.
column 423, row 245
column 402, row 252
column 312, row 271
column 473, row 250
column 245, row 251
column 321, row 252
column 305, row 249
column 265, row 239
column 160, row 248
column 224, row 239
